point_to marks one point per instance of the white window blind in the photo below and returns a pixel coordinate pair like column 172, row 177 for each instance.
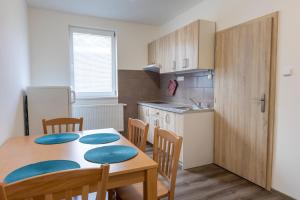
column 93, row 62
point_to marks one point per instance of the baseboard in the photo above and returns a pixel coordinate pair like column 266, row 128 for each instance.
column 284, row 196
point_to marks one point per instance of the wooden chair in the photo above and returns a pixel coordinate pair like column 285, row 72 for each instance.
column 138, row 132
column 58, row 185
column 62, row 121
column 166, row 151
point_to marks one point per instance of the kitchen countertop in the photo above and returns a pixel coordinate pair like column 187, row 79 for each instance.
column 173, row 107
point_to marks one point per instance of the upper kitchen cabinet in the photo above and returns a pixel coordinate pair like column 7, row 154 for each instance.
column 152, row 53
column 168, row 54
column 188, row 48
column 195, row 46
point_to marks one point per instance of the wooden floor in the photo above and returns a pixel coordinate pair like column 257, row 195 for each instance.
column 215, row 183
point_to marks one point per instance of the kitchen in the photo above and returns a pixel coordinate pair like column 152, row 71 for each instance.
column 215, row 74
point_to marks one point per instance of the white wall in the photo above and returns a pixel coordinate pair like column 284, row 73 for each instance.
column 14, row 68
column 49, row 43
column 286, row 176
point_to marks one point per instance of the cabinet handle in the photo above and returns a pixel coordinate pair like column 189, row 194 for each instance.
column 185, row 63
column 156, row 123
column 167, row 119
column 174, row 65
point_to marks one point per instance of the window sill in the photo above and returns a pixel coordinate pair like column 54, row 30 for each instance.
column 96, row 98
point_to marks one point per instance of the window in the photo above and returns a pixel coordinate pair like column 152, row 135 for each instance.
column 93, row 62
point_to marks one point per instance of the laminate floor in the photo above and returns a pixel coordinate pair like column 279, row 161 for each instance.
column 212, row 182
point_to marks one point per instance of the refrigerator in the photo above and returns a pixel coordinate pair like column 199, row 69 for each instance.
column 47, row 103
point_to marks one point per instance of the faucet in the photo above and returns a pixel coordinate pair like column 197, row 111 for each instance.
column 195, row 103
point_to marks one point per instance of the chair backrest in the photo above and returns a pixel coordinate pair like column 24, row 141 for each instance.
column 59, row 122
column 138, row 132
column 59, row 185
column 166, row 152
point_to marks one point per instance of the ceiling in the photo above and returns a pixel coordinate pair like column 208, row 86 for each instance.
column 154, row 12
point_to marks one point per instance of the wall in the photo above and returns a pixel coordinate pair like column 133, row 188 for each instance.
column 14, row 70
column 195, row 85
column 286, row 176
column 49, row 43
column 134, row 86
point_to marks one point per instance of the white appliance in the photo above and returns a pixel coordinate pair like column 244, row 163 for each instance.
column 47, row 103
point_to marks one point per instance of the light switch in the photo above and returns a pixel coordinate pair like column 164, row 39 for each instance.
column 288, row 71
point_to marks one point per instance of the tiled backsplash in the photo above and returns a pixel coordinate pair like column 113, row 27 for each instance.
column 196, row 85
column 135, row 85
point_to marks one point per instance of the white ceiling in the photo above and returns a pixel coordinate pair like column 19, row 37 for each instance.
column 155, row 12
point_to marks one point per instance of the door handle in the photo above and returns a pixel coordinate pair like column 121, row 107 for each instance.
column 262, row 102
column 73, row 97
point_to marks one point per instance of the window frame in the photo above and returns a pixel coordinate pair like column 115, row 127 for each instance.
column 94, row 95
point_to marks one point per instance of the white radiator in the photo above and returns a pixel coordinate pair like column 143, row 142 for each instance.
column 100, row 116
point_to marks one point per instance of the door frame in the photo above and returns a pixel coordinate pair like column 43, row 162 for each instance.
column 272, row 90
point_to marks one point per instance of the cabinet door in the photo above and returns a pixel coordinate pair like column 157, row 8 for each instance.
column 161, row 119
column 187, row 44
column 191, row 46
column 141, row 113
column 169, row 121
column 169, row 51
column 180, row 49
column 160, row 54
column 153, row 122
column 152, row 53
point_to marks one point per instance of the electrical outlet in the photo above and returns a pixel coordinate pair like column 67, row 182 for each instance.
column 180, row 78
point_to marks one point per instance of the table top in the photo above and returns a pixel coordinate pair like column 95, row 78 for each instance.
column 19, row 151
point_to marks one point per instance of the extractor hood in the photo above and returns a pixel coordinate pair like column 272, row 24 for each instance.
column 152, row 68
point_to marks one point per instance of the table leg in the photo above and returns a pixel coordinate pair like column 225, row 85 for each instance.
column 150, row 184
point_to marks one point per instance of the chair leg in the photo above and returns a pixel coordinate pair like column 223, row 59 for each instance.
column 171, row 196
column 118, row 197
column 111, row 194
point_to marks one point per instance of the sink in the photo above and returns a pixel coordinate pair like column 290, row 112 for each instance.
column 182, row 108
column 158, row 102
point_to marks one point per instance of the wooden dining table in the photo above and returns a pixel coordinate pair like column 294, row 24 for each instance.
column 19, row 151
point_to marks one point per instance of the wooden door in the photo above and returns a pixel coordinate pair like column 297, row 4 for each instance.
column 243, row 78
column 152, row 53
column 191, row 45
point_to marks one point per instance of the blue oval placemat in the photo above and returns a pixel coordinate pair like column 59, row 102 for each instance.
column 39, row 169
column 110, row 154
column 57, row 138
column 99, row 138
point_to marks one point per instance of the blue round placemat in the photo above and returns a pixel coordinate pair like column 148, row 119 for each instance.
column 39, row 169
column 110, row 154
column 57, row 138
column 99, row 138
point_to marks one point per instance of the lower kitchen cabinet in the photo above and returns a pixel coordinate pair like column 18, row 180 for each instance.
column 196, row 128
